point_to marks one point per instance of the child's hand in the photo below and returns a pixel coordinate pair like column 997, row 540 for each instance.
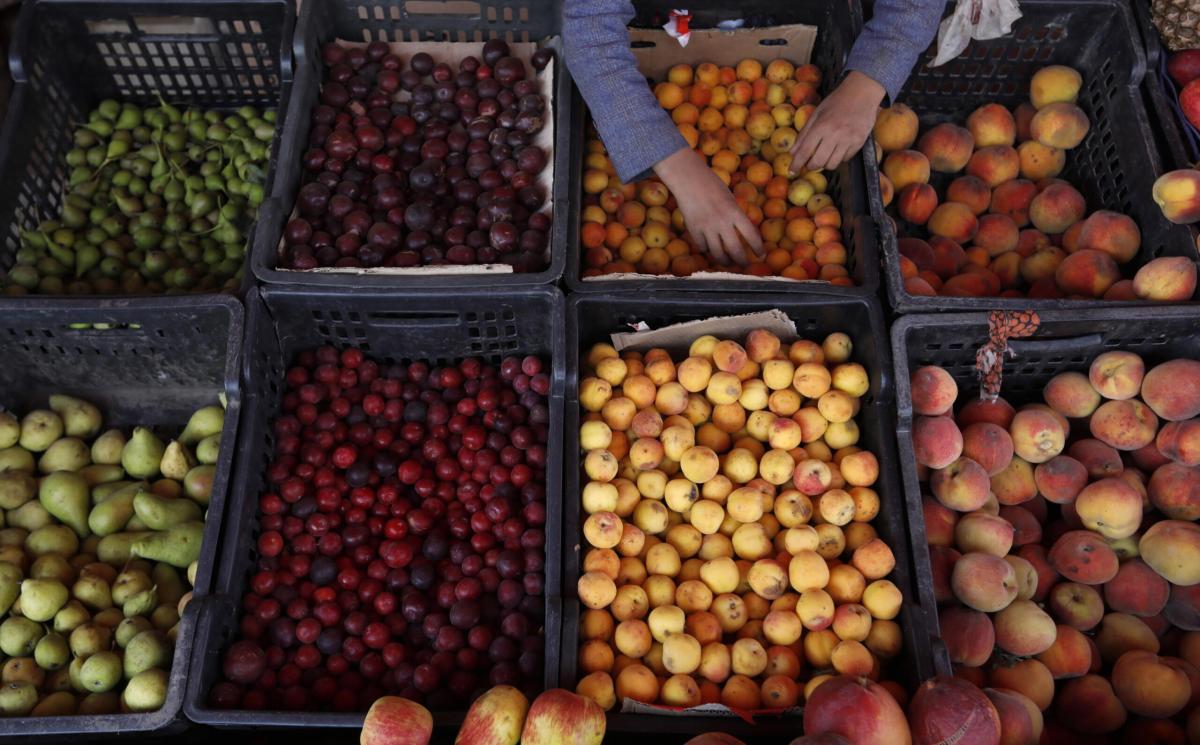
column 839, row 126
column 711, row 215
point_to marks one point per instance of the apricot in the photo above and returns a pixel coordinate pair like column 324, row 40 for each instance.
column 1015, row 484
column 637, row 682
column 968, row 634
column 1113, row 233
column 1038, row 161
column 970, row 191
column 1056, row 208
column 1082, row 556
column 984, row 582
column 1166, row 279
column 954, row 221
column 1090, row 705
column 1024, row 629
column 596, row 590
column 1061, row 124
column 904, row 167
column 995, row 164
column 874, row 559
column 741, row 692
column 895, row 127
column 917, row 202
column 1177, row 194
column 1124, row 425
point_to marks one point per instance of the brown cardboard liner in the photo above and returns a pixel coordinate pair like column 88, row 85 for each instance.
column 452, row 53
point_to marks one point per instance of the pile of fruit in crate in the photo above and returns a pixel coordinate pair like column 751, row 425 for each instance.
column 402, row 537
column 157, row 200
column 423, row 166
column 729, row 543
column 1064, row 543
column 99, row 537
column 743, row 120
column 998, row 220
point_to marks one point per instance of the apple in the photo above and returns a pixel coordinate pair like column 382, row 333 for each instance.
column 393, row 720
column 1189, row 101
column 496, row 718
column 559, row 717
column 1184, row 67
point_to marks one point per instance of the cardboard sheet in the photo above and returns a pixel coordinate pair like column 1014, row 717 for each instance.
column 681, row 335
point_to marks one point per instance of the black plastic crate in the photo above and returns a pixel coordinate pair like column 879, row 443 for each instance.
column 68, row 55
column 159, row 361
column 1177, row 139
column 838, row 23
column 1115, row 165
column 388, row 327
column 592, row 319
column 324, row 21
column 1064, row 341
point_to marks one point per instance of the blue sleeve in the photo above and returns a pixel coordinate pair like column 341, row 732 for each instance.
column 892, row 41
column 635, row 129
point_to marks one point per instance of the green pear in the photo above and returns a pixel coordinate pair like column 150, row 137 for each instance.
column 135, row 524
column 164, row 617
column 88, row 549
column 80, row 418
column 191, row 572
column 142, row 454
column 93, row 591
column 16, row 488
column 112, row 515
column 203, row 423
column 53, row 566
column 178, row 546
column 101, row 492
column 147, row 650
column 106, row 449
column 55, row 704
column 176, row 461
column 30, row 516
column 101, row 672
column 129, row 583
column 162, row 514
column 89, row 638
column 52, row 539
column 140, row 604
column 19, row 636
column 72, row 616
column 14, row 555
column 39, row 429
column 129, row 629
column 209, row 449
column 65, row 495
column 101, row 473
column 16, row 458
column 17, row 699
column 10, row 429
column 118, row 548
column 198, row 483
column 10, row 585
column 146, row 691
column 42, row 598
column 52, row 651
column 66, row 454
column 75, row 671
column 169, row 583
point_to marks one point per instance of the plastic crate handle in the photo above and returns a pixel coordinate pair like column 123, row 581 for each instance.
column 1044, row 346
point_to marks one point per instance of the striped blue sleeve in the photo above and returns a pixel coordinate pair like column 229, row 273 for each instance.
column 892, row 41
column 635, row 129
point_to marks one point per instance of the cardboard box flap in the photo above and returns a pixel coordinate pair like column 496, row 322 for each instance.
column 681, row 335
column 656, row 52
column 629, row 706
column 728, row 276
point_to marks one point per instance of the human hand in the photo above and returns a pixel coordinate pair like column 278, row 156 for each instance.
column 711, row 215
column 839, row 125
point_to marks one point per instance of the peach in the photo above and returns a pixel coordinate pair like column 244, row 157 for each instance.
column 886, row 190
column 1177, row 194
column 856, row 709
column 1113, row 233
column 937, row 441
column 989, row 445
column 1137, row 590
column 1026, row 526
column 1012, row 199
column 1172, row 389
column 904, row 167
column 1166, row 279
column 1082, row 556
column 1087, row 273
column 1062, row 125
column 1117, row 375
column 1006, row 266
column 996, row 233
column 1038, row 161
column 1183, row 611
column 948, row 709
column 963, row 485
column 1031, row 240
column 1037, row 435
column 916, row 203
column 992, row 124
column 1100, row 459
column 984, row 582
column 1172, row 548
column 1119, row 633
column 939, row 522
column 1038, row 557
column 895, row 128
column 1070, row 656
column 947, row 146
column 981, row 283
column 1180, row 442
column 1054, row 84
column 1090, row 705
column 968, row 635
column 1072, row 395
column 1149, row 457
column 1027, row 677
column 933, row 391
column 941, row 564
column 1124, row 425
column 1024, row 629
column 1060, row 479
column 1076, row 605
column 1120, row 291
column 998, row 412
column 979, row 531
column 970, row 191
column 917, row 251
column 955, row 221
column 1149, row 687
column 1056, row 208
column 1015, row 484
column 995, row 164
column 1110, row 507
column 948, row 256
column 1175, row 490
column 1020, row 718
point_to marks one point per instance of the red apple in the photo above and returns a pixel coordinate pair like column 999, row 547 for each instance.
column 559, row 717
column 392, row 720
column 1184, row 67
column 496, row 718
column 1189, row 101
column 858, row 709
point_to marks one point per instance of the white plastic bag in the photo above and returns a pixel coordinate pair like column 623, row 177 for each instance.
column 974, row 19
